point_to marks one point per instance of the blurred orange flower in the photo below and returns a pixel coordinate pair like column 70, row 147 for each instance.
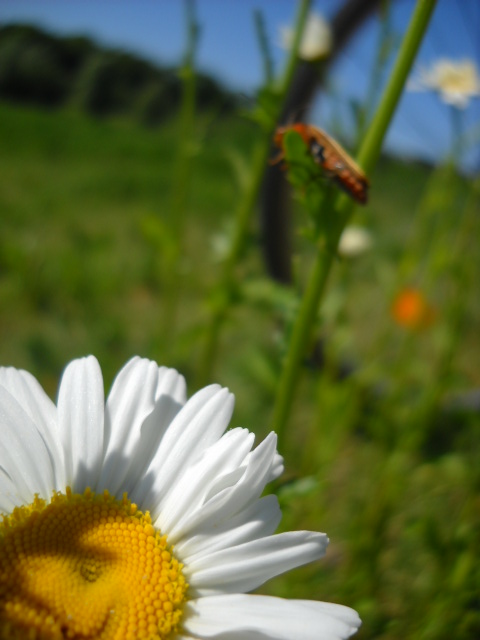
column 411, row 309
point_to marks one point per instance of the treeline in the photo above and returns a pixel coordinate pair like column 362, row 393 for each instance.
column 42, row 69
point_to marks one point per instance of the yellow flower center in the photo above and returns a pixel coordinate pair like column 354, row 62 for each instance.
column 87, row 566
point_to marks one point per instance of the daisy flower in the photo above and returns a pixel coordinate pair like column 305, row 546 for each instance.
column 354, row 241
column 141, row 517
column 317, row 39
column 456, row 82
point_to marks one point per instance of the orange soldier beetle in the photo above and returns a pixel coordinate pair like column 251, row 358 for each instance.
column 329, row 155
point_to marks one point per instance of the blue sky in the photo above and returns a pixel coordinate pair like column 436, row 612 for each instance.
column 228, row 50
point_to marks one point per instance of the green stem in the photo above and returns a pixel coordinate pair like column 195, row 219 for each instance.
column 187, row 123
column 367, row 157
column 292, row 60
column 243, row 215
column 300, row 339
column 372, row 144
column 183, row 171
column 264, row 48
column 226, row 286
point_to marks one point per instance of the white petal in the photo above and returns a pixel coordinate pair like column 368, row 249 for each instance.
column 80, row 419
column 9, row 498
column 24, row 456
column 231, row 493
column 189, row 492
column 8, row 502
column 247, row 566
column 252, row 617
column 258, row 520
column 200, row 423
column 34, row 401
column 277, row 468
column 143, row 401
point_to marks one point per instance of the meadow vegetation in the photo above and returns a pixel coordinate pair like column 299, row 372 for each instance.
column 382, row 447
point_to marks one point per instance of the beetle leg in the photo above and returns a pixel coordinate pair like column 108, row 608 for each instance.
column 278, row 158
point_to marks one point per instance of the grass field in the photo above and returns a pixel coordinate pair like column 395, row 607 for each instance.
column 385, row 461
column 77, row 200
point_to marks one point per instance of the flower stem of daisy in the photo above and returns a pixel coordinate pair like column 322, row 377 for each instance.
column 368, row 155
column 224, row 293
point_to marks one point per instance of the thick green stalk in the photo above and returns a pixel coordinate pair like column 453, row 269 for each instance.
column 372, row 144
column 300, row 340
column 244, row 212
column 367, row 157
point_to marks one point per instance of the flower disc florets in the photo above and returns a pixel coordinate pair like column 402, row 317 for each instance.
column 87, row 566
